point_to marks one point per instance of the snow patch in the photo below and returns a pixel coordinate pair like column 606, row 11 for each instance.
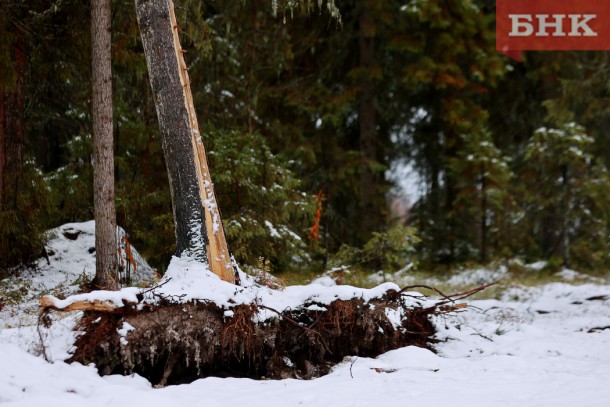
column 125, row 329
column 539, row 265
column 189, row 280
column 129, row 294
column 272, row 230
column 325, row 281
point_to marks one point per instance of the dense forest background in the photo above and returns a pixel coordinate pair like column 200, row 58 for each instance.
column 310, row 124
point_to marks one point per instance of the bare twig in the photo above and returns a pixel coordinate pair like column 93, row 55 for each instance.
column 352, row 365
column 165, row 297
column 427, row 287
column 476, row 332
column 155, row 287
column 598, row 329
column 448, row 298
column 43, row 320
column 466, row 294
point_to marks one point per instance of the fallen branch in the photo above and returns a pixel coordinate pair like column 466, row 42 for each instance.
column 598, row 329
column 448, row 298
column 451, row 308
column 427, row 287
column 48, row 302
column 466, row 294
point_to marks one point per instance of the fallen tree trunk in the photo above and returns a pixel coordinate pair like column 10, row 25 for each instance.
column 48, row 302
column 180, row 343
column 157, row 335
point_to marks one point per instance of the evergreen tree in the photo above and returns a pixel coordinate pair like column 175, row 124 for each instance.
column 484, row 197
column 23, row 201
column 308, row 104
column 563, row 188
column 451, row 70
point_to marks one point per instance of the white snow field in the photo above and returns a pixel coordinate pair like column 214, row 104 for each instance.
column 540, row 346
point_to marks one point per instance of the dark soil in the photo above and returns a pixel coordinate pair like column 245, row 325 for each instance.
column 180, row 343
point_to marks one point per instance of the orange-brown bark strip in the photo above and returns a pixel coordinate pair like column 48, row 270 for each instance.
column 104, row 306
column 217, row 249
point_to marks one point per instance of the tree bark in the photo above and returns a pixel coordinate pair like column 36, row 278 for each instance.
column 12, row 131
column 12, row 113
column 483, row 215
column 106, row 271
column 565, row 211
column 48, row 302
column 369, row 178
column 199, row 230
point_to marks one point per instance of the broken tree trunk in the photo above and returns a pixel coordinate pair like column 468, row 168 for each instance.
column 48, row 302
column 199, row 230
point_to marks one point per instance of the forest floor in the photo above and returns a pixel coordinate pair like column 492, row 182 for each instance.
column 543, row 344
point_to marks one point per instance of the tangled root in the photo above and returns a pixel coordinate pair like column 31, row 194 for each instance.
column 180, row 343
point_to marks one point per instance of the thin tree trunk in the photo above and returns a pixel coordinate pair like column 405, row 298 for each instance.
column 565, row 209
column 3, row 93
column 451, row 149
column 369, row 179
column 106, row 271
column 483, row 216
column 3, row 142
column 12, row 118
column 199, row 230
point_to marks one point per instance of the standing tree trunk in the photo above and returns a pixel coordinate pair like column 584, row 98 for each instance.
column 483, row 215
column 12, row 129
column 12, row 133
column 199, row 230
column 106, row 273
column 565, row 211
column 367, row 115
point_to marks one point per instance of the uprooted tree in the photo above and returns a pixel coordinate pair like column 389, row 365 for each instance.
column 168, row 341
column 173, row 336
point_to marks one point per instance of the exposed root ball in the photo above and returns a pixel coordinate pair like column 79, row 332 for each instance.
column 179, row 343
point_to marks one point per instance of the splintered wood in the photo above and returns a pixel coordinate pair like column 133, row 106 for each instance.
column 217, row 250
column 48, row 302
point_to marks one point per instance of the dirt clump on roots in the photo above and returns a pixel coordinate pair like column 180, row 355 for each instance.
column 179, row 343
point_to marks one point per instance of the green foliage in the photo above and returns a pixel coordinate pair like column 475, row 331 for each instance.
column 71, row 186
column 305, row 6
column 450, row 72
column 555, row 148
column 23, row 221
column 565, row 186
column 14, row 290
column 265, row 214
column 483, row 201
column 388, row 251
column 280, row 107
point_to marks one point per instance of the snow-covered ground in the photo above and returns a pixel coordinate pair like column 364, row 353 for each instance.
column 70, row 262
column 533, row 346
column 71, row 259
